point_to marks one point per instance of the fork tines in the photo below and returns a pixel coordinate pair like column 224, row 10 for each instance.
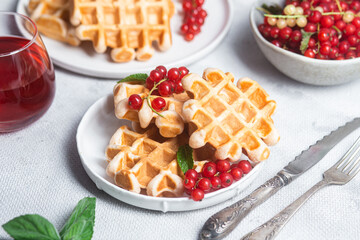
column 350, row 162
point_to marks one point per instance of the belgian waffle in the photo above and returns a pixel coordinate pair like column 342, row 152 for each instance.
column 129, row 27
column 171, row 125
column 52, row 19
column 231, row 118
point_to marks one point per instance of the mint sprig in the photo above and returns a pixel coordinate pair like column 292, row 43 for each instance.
column 185, row 158
column 138, row 77
column 80, row 225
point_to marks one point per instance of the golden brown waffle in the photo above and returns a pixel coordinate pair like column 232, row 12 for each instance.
column 52, row 19
column 230, row 118
column 146, row 161
column 170, row 126
column 129, row 27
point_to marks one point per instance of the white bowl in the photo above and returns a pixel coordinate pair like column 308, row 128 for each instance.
column 298, row 67
column 94, row 132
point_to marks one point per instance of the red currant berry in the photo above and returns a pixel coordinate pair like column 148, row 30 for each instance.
column 295, row 36
column 277, row 43
column 189, row 37
column 353, row 40
column 178, row 87
column 321, row 57
column 340, row 58
column 183, row 71
column 357, row 33
column 149, row 83
column 191, row 173
column 349, row 29
column 187, row 5
column 199, row 3
column 340, row 24
column 344, row 6
column 184, row 28
column 164, row 89
column 327, row 21
column 324, row 35
column 174, row 74
column 209, row 169
column 226, row 179
column 156, row 76
column 334, row 53
column 314, row 17
column 310, row 27
column 215, row 182
column 274, row 33
column 190, row 20
column 194, row 28
column 197, row 194
column 204, row 184
column 222, row 165
column 236, row 173
column 344, row 46
column 356, row 21
column 355, row 5
column 309, row 53
column 285, row 33
column 334, row 40
column 325, row 50
column 312, row 42
column 266, row 31
column 199, row 21
column 202, row 13
column 189, row 183
column 350, row 55
column 162, row 70
column 135, row 102
column 158, row 104
column 305, row 5
column 245, row 166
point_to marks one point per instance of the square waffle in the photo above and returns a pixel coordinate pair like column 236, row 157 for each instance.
column 170, row 126
column 129, row 27
column 52, row 19
column 231, row 118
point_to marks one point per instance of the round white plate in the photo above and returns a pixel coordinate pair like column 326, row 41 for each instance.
column 93, row 135
column 85, row 60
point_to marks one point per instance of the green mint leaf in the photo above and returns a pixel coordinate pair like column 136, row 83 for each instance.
column 185, row 158
column 138, row 77
column 305, row 40
column 31, row 227
column 81, row 223
column 272, row 9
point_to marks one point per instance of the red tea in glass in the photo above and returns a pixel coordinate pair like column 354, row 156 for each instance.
column 27, row 80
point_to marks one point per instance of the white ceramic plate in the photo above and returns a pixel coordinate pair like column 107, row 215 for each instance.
column 85, row 60
column 94, row 132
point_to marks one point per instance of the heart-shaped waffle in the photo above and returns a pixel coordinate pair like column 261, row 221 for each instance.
column 170, row 125
column 231, row 118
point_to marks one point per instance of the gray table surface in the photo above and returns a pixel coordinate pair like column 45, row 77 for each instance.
column 41, row 171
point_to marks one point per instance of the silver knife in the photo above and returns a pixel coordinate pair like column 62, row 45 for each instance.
column 223, row 222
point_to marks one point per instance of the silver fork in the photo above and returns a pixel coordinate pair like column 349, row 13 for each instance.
column 341, row 173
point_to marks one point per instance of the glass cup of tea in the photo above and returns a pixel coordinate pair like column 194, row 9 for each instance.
column 27, row 78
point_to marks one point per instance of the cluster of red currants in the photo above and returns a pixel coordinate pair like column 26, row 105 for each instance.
column 194, row 18
column 214, row 176
column 332, row 26
column 162, row 83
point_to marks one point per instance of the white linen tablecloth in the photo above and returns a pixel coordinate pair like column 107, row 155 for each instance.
column 41, row 173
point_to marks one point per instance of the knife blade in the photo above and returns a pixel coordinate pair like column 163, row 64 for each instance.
column 223, row 222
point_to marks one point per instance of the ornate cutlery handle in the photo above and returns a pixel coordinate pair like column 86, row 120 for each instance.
column 271, row 228
column 223, row 222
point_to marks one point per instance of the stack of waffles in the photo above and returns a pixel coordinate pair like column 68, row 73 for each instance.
column 216, row 117
column 128, row 27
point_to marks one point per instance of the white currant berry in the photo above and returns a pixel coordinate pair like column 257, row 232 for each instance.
column 320, row 9
column 348, row 17
column 281, row 23
column 289, row 9
column 272, row 21
column 291, row 22
column 301, row 22
column 299, row 11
